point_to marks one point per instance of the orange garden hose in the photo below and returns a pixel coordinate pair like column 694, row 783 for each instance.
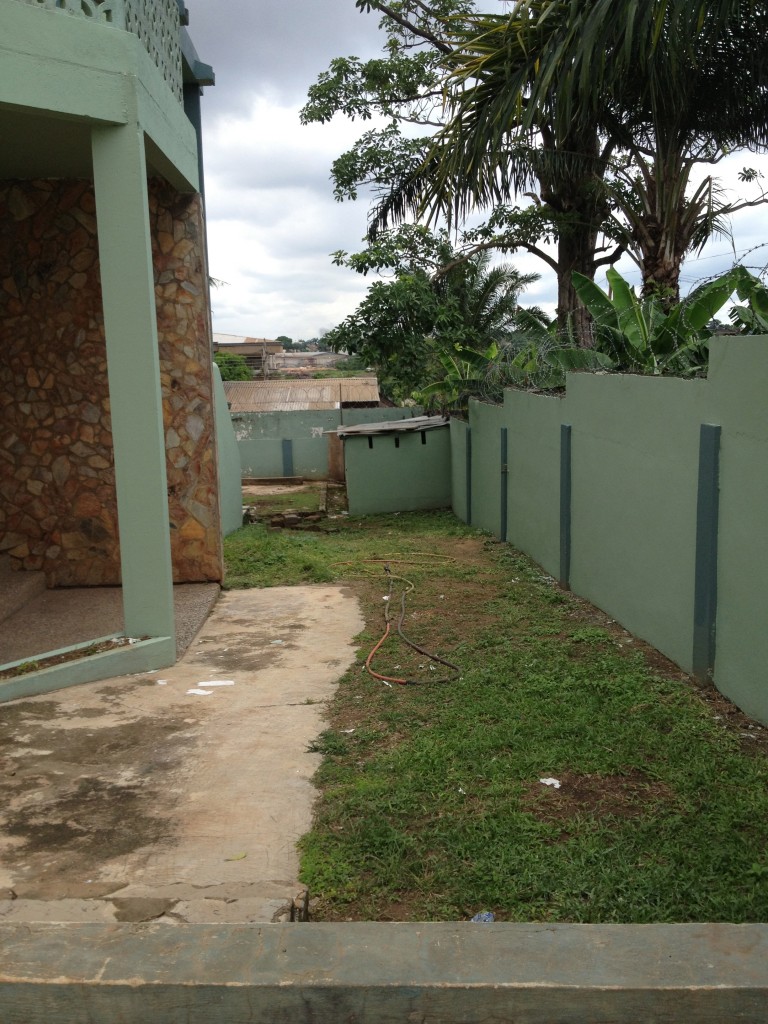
column 388, row 631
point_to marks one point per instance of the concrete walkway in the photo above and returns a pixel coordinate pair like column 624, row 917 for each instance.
column 179, row 795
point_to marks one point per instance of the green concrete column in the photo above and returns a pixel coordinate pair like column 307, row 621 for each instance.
column 125, row 252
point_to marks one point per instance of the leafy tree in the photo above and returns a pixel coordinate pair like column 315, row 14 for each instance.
column 404, row 325
column 388, row 330
column 598, row 110
column 664, row 91
column 283, row 340
column 232, row 366
column 409, row 87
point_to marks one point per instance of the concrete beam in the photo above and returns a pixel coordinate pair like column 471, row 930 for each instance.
column 384, row 973
column 59, row 64
column 55, row 64
column 144, row 656
column 130, row 319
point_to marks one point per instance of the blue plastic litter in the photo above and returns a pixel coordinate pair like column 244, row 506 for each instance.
column 484, row 917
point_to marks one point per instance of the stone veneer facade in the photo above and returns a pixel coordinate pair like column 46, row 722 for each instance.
column 57, row 495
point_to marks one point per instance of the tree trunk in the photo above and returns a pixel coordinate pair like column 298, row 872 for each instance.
column 575, row 251
column 664, row 240
column 571, row 185
column 661, row 278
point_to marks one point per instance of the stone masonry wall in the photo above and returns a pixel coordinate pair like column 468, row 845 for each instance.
column 57, row 496
column 181, row 295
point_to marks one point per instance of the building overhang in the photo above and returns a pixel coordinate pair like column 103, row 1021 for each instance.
column 60, row 76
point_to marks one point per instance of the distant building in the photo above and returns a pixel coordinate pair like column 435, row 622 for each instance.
column 259, row 353
column 312, row 359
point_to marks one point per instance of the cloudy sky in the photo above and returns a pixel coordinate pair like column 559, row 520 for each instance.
column 272, row 219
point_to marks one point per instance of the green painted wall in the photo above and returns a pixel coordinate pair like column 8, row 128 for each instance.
column 485, row 422
column 459, row 438
column 635, row 470
column 738, row 381
column 260, row 437
column 259, row 426
column 260, row 442
column 228, row 461
column 635, row 452
column 388, row 478
column 533, row 482
column 351, row 417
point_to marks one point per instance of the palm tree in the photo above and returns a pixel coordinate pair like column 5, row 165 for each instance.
column 692, row 99
column 490, row 152
column 672, row 83
column 485, row 299
column 669, row 83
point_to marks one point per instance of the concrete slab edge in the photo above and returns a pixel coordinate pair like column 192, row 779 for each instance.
column 71, row 649
column 142, row 656
column 472, row 973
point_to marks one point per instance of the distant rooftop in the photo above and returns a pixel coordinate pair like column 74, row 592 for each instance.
column 236, row 340
column 297, row 395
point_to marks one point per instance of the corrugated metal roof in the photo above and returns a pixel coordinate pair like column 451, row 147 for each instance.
column 287, row 395
column 413, row 424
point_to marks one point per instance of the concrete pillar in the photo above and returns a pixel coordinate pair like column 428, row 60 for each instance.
column 130, row 320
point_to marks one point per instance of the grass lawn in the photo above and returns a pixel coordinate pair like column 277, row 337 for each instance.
column 430, row 804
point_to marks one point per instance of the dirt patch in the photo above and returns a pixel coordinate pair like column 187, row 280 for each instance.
column 259, row 490
column 594, row 796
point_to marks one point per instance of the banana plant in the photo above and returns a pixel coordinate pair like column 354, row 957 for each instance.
column 641, row 337
column 465, row 369
column 752, row 318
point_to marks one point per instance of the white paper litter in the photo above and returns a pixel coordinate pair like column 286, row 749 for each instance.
column 199, row 692
column 554, row 783
column 276, row 643
column 217, row 682
column 161, row 682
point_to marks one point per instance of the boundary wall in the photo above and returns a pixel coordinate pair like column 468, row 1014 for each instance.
column 646, row 495
column 295, row 442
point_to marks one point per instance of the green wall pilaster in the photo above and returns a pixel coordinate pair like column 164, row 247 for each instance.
column 130, row 319
column 565, row 505
column 461, row 469
column 504, row 482
column 705, row 589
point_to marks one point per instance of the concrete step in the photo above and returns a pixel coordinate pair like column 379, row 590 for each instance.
column 17, row 589
column 262, row 906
